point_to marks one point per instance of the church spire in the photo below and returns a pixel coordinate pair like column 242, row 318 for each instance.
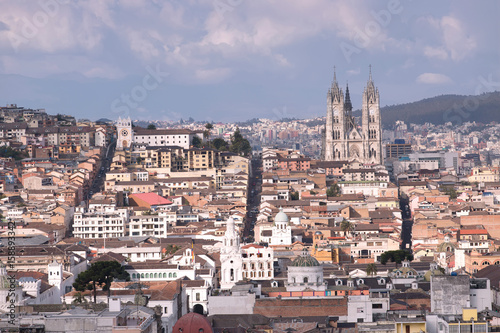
column 347, row 101
column 334, row 92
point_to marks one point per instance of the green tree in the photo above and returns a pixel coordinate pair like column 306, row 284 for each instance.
column 333, row 191
column 196, row 142
column 151, row 127
column 101, row 274
column 396, row 256
column 220, row 144
column 371, row 269
column 295, row 196
column 208, row 127
column 6, row 151
column 346, row 226
column 450, row 190
column 239, row 144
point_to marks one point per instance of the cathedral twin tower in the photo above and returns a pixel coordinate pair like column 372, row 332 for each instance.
column 343, row 139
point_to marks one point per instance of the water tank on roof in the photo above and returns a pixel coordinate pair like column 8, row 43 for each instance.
column 453, row 274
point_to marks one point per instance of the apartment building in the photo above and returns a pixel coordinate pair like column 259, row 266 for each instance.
column 151, row 225
column 109, row 223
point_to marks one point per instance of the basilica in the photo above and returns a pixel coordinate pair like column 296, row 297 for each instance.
column 343, row 138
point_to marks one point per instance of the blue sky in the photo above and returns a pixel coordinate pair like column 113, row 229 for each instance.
column 227, row 60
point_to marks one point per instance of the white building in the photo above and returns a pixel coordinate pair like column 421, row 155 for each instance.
column 305, row 272
column 156, row 137
column 281, row 230
column 230, row 257
column 258, row 262
column 149, row 225
column 106, row 223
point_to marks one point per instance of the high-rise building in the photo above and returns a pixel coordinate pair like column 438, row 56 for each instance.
column 344, row 139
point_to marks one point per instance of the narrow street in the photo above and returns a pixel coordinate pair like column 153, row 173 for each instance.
column 253, row 200
column 98, row 183
column 406, row 228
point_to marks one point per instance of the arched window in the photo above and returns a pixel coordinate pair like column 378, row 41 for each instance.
column 156, row 275
column 169, row 275
column 142, row 275
column 175, row 275
column 306, row 279
column 164, row 275
column 497, row 262
column 147, row 275
column 133, row 275
column 474, row 262
column 486, row 263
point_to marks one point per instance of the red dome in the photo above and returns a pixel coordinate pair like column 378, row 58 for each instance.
column 192, row 323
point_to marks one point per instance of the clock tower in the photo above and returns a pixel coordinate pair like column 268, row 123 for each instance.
column 124, row 133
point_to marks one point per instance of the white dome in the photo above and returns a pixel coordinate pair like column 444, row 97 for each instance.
column 281, row 217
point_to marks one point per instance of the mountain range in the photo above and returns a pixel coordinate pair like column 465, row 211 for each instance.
column 456, row 109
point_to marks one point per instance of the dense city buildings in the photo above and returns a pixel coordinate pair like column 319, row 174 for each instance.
column 394, row 230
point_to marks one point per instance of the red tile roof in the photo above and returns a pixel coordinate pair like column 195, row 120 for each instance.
column 474, row 232
column 151, row 198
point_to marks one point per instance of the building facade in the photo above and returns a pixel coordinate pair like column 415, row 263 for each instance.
column 344, row 139
column 128, row 135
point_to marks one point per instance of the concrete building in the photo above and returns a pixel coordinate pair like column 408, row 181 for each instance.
column 449, row 294
column 100, row 223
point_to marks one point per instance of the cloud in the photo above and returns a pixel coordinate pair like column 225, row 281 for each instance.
column 3, row 26
column 212, row 75
column 356, row 71
column 454, row 37
column 433, row 78
column 435, row 52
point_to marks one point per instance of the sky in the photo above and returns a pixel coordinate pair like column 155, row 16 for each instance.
column 233, row 60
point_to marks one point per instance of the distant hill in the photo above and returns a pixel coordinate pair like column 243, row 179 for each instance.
column 104, row 121
column 456, row 109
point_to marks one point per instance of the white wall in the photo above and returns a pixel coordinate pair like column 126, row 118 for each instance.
column 223, row 305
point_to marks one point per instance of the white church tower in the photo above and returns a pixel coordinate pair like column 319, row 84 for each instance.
column 124, row 133
column 230, row 257
column 55, row 272
column 281, row 231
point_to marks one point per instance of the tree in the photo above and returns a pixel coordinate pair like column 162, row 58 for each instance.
column 371, row 269
column 294, row 196
column 196, row 142
column 396, row 256
column 207, row 132
column 151, row 127
column 100, row 273
column 239, row 144
column 346, row 226
column 333, row 191
column 450, row 190
column 220, row 144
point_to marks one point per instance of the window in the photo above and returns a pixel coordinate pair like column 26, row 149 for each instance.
column 377, row 306
column 198, row 296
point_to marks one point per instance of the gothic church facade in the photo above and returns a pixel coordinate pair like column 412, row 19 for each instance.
column 343, row 139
